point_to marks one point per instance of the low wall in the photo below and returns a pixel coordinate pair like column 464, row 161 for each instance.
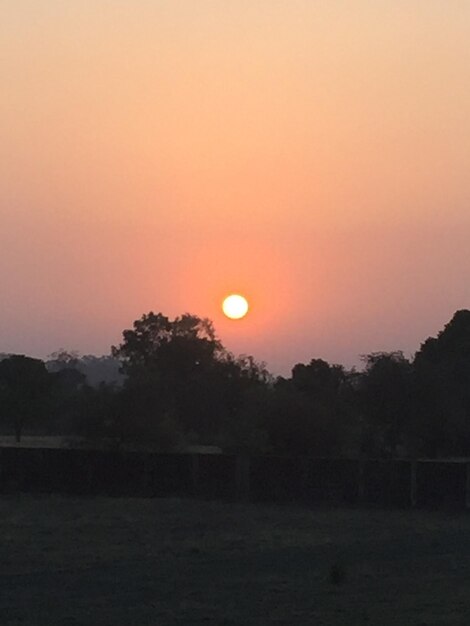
column 400, row 483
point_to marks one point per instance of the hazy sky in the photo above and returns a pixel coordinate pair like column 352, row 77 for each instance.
column 156, row 155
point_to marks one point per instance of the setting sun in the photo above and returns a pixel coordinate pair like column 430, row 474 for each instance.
column 235, row 307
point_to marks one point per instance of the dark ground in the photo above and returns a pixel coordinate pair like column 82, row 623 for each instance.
column 118, row 562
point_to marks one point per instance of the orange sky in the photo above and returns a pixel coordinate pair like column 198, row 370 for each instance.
column 157, row 155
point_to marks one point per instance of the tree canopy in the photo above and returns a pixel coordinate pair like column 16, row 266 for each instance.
column 179, row 386
column 24, row 383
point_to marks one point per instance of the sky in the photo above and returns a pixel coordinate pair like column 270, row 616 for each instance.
column 312, row 155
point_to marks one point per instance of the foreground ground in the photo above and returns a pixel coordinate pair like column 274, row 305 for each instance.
column 118, row 562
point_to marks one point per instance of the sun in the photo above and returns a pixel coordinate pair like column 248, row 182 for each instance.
column 235, row 306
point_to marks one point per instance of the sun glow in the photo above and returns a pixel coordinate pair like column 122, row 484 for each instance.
column 235, row 307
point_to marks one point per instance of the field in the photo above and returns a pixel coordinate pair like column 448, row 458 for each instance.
column 116, row 562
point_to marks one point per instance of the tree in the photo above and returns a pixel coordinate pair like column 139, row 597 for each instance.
column 180, row 379
column 96, row 369
column 387, row 400
column 442, row 370
column 451, row 347
column 158, row 344
column 241, row 389
column 24, row 386
column 320, row 381
column 312, row 412
column 172, row 369
column 62, row 359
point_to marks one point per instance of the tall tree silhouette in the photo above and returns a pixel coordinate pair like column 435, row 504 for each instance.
column 178, row 371
column 442, row 368
column 387, row 401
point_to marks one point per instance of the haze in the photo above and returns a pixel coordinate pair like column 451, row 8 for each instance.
column 312, row 156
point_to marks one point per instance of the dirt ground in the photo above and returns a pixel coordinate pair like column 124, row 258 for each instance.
column 116, row 562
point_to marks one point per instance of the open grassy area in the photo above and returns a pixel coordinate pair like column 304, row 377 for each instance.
column 128, row 561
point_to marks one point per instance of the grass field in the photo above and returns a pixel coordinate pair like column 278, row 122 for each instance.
column 116, row 562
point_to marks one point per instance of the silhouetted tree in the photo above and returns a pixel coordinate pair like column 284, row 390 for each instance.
column 177, row 372
column 62, row 359
column 313, row 413
column 319, row 380
column 180, row 386
column 67, row 391
column 243, row 387
column 157, row 344
column 24, row 387
column 387, row 402
column 442, row 370
column 95, row 413
column 96, row 369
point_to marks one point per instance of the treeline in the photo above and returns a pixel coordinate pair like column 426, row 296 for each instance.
column 171, row 384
